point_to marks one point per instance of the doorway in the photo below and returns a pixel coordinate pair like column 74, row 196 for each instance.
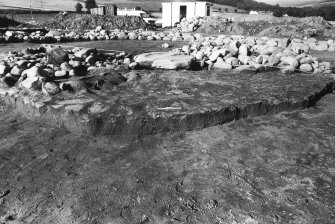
column 182, row 12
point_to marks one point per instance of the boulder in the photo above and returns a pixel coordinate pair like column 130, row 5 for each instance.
column 244, row 50
column 4, row 69
column 54, row 33
column 85, row 52
column 90, row 59
column 61, row 74
column 72, row 85
column 133, row 36
column 16, row 70
column 244, row 60
column 290, row 60
column 173, row 62
column 214, row 55
column 65, row 66
column 57, row 56
column 272, row 43
column 306, row 68
column 220, row 64
column 322, row 46
column 234, row 47
column 288, row 70
column 50, row 88
column 232, row 60
column 146, row 59
column 306, row 60
column 273, row 61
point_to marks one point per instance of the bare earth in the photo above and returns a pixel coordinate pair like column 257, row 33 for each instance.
column 265, row 169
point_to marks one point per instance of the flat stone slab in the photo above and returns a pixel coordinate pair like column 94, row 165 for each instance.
column 161, row 101
column 164, row 60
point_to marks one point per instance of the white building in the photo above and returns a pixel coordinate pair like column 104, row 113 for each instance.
column 130, row 12
column 173, row 12
column 253, row 12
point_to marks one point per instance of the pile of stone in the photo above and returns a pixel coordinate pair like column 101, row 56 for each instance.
column 81, row 22
column 239, row 52
column 191, row 24
column 53, row 69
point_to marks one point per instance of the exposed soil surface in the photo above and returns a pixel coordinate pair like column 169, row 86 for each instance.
column 264, row 169
column 270, row 169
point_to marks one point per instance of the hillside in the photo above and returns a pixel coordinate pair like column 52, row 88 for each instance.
column 316, row 3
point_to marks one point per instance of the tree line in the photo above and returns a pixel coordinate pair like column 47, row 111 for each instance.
column 327, row 12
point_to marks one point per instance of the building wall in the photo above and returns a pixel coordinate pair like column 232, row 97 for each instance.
column 171, row 11
column 104, row 10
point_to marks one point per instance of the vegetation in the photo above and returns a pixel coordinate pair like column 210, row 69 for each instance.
column 89, row 4
column 5, row 22
column 327, row 12
column 79, row 7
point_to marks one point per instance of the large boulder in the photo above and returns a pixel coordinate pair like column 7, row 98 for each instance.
column 164, row 60
column 289, row 60
column 220, row 64
column 85, row 52
column 31, row 78
column 174, row 62
column 57, row 56
column 50, row 88
column 306, row 68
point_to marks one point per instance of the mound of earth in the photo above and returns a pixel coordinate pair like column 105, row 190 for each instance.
column 278, row 27
column 85, row 22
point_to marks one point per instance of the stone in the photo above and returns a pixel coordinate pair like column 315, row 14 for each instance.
column 257, row 60
column 272, row 43
column 80, row 70
column 50, row 88
column 244, row 50
column 90, row 59
column 290, row 60
column 165, row 45
column 244, row 60
column 85, row 52
column 220, row 64
column 288, row 70
column 31, row 82
column 174, row 62
column 16, row 70
column 306, row 68
column 57, row 56
column 65, row 66
column 232, row 60
column 54, row 33
column 306, row 60
column 214, row 55
column 132, row 36
column 4, row 69
column 61, row 74
column 8, row 81
column 49, row 72
column 273, row 61
column 199, row 55
column 234, row 47
column 321, row 46
column 72, row 85
column 127, row 61
column 326, row 65
column 186, row 49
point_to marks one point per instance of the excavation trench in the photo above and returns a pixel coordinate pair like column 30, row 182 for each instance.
column 172, row 101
